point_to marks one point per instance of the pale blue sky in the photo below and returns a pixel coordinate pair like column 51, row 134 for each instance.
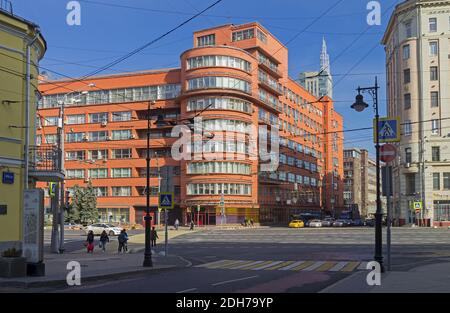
column 108, row 32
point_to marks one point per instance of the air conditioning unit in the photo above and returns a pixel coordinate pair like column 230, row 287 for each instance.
column 108, row 138
column 85, row 138
column 86, row 180
column 104, row 123
column 132, row 136
column 407, row 165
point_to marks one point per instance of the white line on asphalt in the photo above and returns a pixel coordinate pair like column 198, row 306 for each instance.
column 314, row 266
column 245, row 265
column 267, row 265
column 187, row 290
column 291, row 266
column 338, row 267
column 362, row 266
column 232, row 281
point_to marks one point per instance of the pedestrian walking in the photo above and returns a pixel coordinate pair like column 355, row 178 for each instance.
column 104, row 239
column 177, row 224
column 90, row 242
column 192, row 225
column 123, row 238
column 154, row 237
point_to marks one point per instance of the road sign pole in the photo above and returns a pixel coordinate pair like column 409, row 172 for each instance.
column 166, row 221
column 388, row 208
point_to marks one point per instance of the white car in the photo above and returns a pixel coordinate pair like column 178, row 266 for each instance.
column 98, row 229
column 315, row 223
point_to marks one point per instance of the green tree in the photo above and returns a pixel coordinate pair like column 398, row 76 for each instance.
column 84, row 205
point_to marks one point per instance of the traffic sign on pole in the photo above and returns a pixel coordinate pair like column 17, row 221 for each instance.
column 388, row 130
column 388, row 153
column 165, row 200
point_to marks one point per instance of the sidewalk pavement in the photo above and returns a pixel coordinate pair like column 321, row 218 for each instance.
column 432, row 278
column 97, row 266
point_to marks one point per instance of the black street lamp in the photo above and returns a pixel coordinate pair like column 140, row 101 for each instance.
column 359, row 106
column 148, row 250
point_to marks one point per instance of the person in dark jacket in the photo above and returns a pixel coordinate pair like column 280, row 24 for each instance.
column 90, row 242
column 123, row 238
column 154, row 236
column 103, row 240
column 192, row 225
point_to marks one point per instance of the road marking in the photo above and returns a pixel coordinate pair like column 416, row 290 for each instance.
column 326, row 266
column 338, row 266
column 212, row 263
column 350, row 267
column 362, row 266
column 286, row 263
column 187, row 290
column 303, row 265
column 291, row 266
column 234, row 280
column 245, row 264
column 230, row 264
column 272, row 263
column 314, row 266
column 257, row 265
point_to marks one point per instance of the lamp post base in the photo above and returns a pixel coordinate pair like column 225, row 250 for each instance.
column 148, row 261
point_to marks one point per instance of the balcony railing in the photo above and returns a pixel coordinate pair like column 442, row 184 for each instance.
column 6, row 5
column 45, row 159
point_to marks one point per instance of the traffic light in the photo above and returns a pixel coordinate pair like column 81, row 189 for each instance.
column 51, row 190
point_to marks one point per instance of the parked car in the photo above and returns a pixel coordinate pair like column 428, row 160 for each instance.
column 327, row 222
column 73, row 226
column 340, row 223
column 358, row 222
column 98, row 228
column 369, row 222
column 296, row 224
column 315, row 223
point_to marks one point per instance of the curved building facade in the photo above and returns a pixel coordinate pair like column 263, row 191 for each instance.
column 234, row 84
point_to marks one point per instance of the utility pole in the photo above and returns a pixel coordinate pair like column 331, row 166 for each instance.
column 62, row 192
column 148, row 251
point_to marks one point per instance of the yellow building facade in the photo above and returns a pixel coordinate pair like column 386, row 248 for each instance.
column 20, row 41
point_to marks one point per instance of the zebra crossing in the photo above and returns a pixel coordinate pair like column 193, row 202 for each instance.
column 270, row 265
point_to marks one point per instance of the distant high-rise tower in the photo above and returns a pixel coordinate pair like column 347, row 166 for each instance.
column 319, row 83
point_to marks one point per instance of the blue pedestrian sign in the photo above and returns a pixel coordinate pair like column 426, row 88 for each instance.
column 8, row 178
column 388, row 130
column 165, row 200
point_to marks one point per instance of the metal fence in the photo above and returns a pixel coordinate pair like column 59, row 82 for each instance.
column 45, row 158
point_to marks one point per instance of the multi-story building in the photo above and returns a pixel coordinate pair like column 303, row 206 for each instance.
column 236, row 79
column 360, row 187
column 417, row 64
column 21, row 43
column 320, row 83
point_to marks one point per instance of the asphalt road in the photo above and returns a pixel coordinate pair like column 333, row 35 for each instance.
column 277, row 259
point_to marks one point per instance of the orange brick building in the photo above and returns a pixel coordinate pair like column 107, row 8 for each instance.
column 239, row 74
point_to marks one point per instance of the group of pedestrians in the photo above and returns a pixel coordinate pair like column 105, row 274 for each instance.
column 104, row 239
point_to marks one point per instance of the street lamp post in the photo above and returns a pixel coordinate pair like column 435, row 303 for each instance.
column 359, row 106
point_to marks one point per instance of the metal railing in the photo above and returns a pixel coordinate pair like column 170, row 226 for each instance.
column 6, row 5
column 45, row 158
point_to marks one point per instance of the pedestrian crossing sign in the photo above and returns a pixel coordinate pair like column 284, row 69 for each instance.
column 388, row 130
column 165, row 200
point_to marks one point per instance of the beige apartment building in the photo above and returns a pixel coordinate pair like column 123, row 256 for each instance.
column 417, row 67
column 360, row 181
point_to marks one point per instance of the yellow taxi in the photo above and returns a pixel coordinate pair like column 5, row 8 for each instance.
column 296, row 224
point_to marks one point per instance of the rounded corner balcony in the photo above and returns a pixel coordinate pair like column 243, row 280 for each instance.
column 219, row 103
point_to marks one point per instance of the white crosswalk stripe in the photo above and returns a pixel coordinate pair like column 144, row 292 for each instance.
column 314, row 266
column 267, row 265
column 338, row 267
column 286, row 268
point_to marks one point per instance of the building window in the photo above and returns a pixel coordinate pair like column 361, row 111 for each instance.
column 407, row 76
column 408, row 155
column 434, row 48
column 121, row 134
column 101, row 191
column 406, row 52
column 433, row 24
column 121, row 172
column 261, row 36
column 436, row 181
column 208, row 40
column 50, row 139
column 434, row 127
column 434, row 97
column 95, row 173
column 75, row 174
column 199, row 104
column 76, row 119
column 218, row 168
column 75, row 155
column 98, row 136
column 410, row 182
column 75, row 137
column 243, row 34
column 408, row 29
column 98, row 117
column 435, row 154
column 407, row 101
column 51, row 120
column 121, row 153
column 121, row 191
column 121, row 116
column 220, row 61
column 407, row 128
column 434, row 75
column 219, row 82
column 98, row 154
column 446, row 181
column 219, row 188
